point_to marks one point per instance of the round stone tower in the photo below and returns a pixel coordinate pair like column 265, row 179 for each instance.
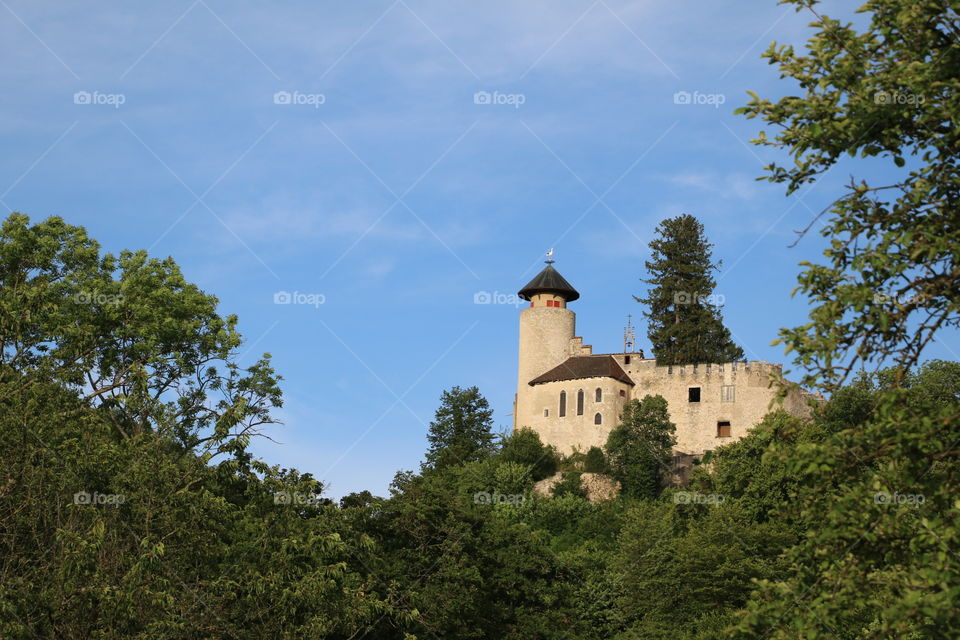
column 546, row 328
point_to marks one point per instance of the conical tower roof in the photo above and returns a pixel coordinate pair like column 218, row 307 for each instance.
column 549, row 281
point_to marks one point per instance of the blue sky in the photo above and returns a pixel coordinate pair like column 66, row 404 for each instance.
column 341, row 151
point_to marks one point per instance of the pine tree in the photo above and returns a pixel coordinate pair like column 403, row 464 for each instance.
column 461, row 430
column 684, row 324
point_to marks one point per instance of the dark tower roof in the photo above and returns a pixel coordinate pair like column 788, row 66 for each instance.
column 549, row 281
column 579, row 367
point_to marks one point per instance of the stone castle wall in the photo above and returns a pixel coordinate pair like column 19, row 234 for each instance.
column 697, row 428
column 574, row 430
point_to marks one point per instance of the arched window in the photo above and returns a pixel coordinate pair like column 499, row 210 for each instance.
column 597, row 419
column 563, row 404
column 580, row 402
column 599, row 396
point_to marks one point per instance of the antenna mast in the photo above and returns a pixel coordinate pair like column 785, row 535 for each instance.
column 629, row 336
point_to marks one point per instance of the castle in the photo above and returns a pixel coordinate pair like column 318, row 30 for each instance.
column 573, row 397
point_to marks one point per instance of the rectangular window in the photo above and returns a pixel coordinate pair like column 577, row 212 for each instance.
column 727, row 393
column 626, row 360
column 693, row 394
column 723, row 429
column 546, row 413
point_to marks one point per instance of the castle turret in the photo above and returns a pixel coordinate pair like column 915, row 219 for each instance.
column 546, row 328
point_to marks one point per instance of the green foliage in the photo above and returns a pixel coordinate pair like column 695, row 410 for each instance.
column 692, row 562
column 118, row 388
column 879, row 497
column 754, row 470
column 684, row 324
column 881, row 485
column 640, row 448
column 181, row 549
column 461, row 429
column 512, row 478
column 525, row 447
column 467, row 570
column 888, row 91
column 595, row 461
column 132, row 334
column 570, row 484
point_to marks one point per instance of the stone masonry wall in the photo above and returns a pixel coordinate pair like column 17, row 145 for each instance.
column 697, row 428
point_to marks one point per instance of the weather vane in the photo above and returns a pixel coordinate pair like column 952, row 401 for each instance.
column 550, row 256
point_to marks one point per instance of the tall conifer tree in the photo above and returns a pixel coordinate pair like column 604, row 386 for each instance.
column 684, row 323
column 461, row 431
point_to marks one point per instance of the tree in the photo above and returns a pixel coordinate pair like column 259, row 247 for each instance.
column 113, row 522
column 684, row 323
column 111, row 537
column 461, row 429
column 131, row 335
column 892, row 272
column 595, row 461
column 467, row 571
column 693, row 563
column 881, row 562
column 524, row 446
column 640, row 448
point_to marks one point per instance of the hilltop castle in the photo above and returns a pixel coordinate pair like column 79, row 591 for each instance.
column 573, row 397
